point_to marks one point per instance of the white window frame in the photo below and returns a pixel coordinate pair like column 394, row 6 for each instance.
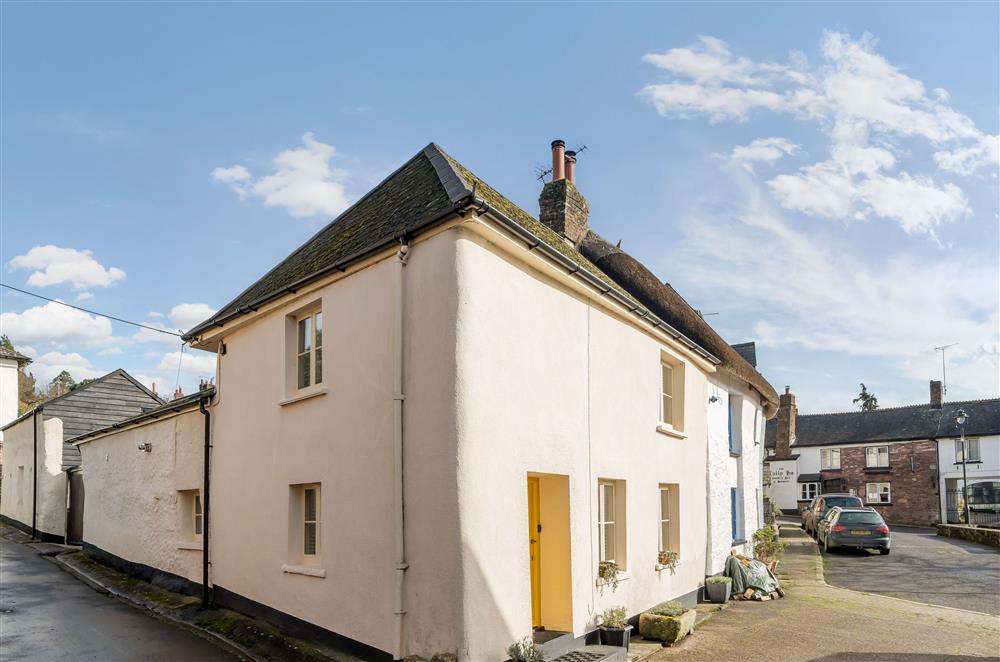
column 878, row 457
column 879, row 490
column 973, row 454
column 808, row 491
column 606, row 520
column 667, row 399
column 304, row 521
column 197, row 516
column 826, row 458
column 314, row 352
column 668, row 520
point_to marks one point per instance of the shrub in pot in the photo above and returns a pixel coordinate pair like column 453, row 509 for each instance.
column 718, row 588
column 615, row 630
column 668, row 622
column 525, row 650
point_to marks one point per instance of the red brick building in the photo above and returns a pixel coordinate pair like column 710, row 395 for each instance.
column 888, row 457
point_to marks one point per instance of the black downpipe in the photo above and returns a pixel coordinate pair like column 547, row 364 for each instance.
column 206, row 599
column 34, row 474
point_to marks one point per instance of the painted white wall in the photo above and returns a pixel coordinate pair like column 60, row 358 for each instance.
column 8, row 392
column 134, row 509
column 726, row 472
column 550, row 382
column 343, row 440
column 951, row 473
column 784, row 487
column 16, row 497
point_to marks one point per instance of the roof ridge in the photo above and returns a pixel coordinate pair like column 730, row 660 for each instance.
column 456, row 187
column 913, row 406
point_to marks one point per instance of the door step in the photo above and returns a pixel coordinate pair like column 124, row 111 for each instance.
column 594, row 654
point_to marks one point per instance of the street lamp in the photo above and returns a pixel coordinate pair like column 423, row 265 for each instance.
column 960, row 419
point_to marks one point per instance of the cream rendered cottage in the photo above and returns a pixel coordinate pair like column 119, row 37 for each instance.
column 439, row 416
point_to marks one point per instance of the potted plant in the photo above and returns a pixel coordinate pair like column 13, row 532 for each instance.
column 525, row 650
column 668, row 622
column 607, row 571
column 767, row 548
column 668, row 558
column 718, row 588
column 615, row 630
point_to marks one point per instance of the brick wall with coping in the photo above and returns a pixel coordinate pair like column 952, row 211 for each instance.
column 912, row 475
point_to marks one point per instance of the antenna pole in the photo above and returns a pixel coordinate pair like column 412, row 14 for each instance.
column 944, row 374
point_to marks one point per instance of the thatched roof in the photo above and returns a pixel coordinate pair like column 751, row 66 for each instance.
column 665, row 302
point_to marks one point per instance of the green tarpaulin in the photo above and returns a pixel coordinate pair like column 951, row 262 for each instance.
column 755, row 576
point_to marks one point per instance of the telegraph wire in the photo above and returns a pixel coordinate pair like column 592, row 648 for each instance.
column 92, row 312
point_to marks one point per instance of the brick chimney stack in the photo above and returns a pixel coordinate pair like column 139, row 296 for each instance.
column 179, row 393
column 784, row 437
column 936, row 393
column 561, row 207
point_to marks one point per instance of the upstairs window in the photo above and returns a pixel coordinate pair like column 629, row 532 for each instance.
column 671, row 395
column 876, row 457
column 309, row 349
column 829, row 458
column 970, row 453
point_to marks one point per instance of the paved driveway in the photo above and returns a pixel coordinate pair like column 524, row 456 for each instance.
column 45, row 614
column 923, row 567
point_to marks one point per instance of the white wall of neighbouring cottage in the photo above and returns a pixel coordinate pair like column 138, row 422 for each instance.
column 726, row 472
column 134, row 508
column 549, row 381
column 16, row 497
column 8, row 392
column 784, row 488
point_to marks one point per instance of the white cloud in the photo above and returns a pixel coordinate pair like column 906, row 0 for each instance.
column 186, row 315
column 55, row 265
column 193, row 363
column 764, row 150
column 112, row 351
column 154, row 314
column 84, row 296
column 809, row 290
column 302, row 182
column 50, row 364
column 867, row 107
column 55, row 325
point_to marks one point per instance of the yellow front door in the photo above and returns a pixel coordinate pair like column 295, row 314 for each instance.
column 535, row 546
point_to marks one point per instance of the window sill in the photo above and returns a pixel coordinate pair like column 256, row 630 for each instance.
column 735, row 454
column 190, row 544
column 878, row 470
column 958, row 464
column 872, row 503
column 307, row 570
column 669, row 430
column 738, row 542
column 304, row 394
column 622, row 576
column 660, row 567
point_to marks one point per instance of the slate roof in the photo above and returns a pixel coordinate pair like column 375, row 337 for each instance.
column 106, row 400
column 149, row 415
column 893, row 424
column 430, row 188
column 15, row 355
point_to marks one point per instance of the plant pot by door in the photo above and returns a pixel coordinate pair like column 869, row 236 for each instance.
column 616, row 636
column 718, row 592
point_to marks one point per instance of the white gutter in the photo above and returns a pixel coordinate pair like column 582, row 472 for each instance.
column 399, row 649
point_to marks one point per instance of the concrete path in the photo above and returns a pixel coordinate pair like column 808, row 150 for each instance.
column 47, row 615
column 924, row 567
column 817, row 622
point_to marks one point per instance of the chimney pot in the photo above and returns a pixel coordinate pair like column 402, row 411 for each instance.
column 558, row 160
column 571, row 166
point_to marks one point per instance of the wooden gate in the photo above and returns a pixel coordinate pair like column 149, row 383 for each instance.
column 74, row 519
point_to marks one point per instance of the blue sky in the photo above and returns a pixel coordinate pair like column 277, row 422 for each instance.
column 822, row 176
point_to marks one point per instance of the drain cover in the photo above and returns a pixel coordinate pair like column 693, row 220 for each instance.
column 580, row 656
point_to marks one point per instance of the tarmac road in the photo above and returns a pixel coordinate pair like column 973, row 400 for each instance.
column 48, row 615
column 923, row 567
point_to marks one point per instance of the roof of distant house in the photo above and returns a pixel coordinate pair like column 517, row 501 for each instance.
column 166, row 408
column 15, row 355
column 748, row 350
column 432, row 187
column 924, row 421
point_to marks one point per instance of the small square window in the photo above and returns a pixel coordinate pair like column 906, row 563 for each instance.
column 829, row 458
column 876, row 457
column 878, row 493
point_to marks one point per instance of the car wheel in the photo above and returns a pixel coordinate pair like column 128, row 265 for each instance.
column 884, row 551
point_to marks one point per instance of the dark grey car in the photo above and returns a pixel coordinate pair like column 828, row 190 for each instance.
column 854, row 527
column 821, row 505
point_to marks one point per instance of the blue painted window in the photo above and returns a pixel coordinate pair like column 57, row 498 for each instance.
column 732, row 498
